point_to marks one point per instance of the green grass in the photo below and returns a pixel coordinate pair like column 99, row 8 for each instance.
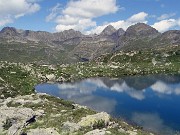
column 7, row 124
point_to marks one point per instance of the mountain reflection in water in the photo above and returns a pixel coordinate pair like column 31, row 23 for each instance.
column 150, row 101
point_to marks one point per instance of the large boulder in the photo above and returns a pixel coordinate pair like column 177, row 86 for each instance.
column 90, row 120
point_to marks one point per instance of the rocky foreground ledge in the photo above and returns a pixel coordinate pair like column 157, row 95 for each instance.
column 40, row 114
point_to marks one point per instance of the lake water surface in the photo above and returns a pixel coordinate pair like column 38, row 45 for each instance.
column 152, row 102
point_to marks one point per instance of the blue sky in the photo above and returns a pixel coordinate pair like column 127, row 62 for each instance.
column 88, row 16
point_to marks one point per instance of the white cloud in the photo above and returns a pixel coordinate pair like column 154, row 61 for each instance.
column 178, row 22
column 87, row 86
column 90, row 8
column 130, row 91
column 166, row 16
column 79, row 14
column 81, row 25
column 13, row 9
column 97, row 82
column 165, row 25
column 164, row 88
column 34, row 0
column 152, row 122
column 67, row 20
column 84, row 87
column 5, row 21
column 81, row 93
column 54, row 12
column 139, row 17
column 96, row 102
column 161, row 87
column 117, row 87
column 177, row 91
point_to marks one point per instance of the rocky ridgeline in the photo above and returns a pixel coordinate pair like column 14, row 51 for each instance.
column 72, row 46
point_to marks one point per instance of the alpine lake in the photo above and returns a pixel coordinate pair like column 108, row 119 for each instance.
column 151, row 101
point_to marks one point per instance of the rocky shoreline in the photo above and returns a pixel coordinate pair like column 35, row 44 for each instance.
column 50, row 118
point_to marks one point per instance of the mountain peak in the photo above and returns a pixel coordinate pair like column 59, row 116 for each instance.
column 8, row 28
column 72, row 31
column 172, row 35
column 68, row 34
column 120, row 32
column 109, row 30
column 9, row 31
column 141, row 29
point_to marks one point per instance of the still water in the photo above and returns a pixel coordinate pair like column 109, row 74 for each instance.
column 152, row 102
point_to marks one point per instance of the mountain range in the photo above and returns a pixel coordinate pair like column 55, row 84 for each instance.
column 72, row 46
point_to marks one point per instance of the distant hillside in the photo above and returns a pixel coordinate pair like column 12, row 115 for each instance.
column 72, row 46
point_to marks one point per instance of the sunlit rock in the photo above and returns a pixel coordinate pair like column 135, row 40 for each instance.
column 91, row 119
column 43, row 131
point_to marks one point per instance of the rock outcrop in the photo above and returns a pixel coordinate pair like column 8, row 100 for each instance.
column 90, row 120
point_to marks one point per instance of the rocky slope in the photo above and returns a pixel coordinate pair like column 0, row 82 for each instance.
column 61, row 120
column 72, row 46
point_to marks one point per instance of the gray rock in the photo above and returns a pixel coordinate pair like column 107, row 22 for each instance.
column 51, row 77
column 91, row 119
column 43, row 131
column 96, row 132
column 17, row 115
column 70, row 127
